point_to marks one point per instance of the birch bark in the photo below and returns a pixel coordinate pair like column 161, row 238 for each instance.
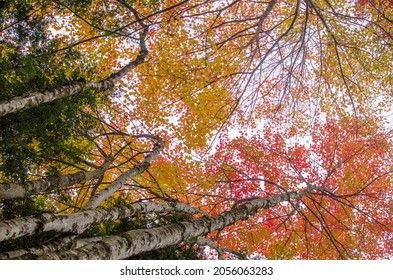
column 95, row 201
column 78, row 222
column 22, row 103
column 15, row 190
column 138, row 241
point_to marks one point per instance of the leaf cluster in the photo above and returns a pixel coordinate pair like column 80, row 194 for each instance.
column 29, row 63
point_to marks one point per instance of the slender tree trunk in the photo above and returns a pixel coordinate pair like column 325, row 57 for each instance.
column 95, row 201
column 78, row 222
column 63, row 243
column 142, row 240
column 15, row 190
column 22, row 103
column 59, row 244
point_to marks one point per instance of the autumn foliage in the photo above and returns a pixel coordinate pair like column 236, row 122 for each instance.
column 274, row 114
column 349, row 166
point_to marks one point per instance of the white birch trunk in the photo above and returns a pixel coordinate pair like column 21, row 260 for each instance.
column 15, row 190
column 64, row 243
column 96, row 200
column 22, row 103
column 143, row 240
column 77, row 223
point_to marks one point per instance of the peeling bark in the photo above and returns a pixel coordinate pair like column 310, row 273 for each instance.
column 138, row 241
column 21, row 103
column 78, row 222
column 64, row 243
column 15, row 190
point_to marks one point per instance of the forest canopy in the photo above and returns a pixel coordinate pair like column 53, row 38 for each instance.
column 196, row 129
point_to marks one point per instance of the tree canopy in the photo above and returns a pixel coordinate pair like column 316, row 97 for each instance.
column 196, row 129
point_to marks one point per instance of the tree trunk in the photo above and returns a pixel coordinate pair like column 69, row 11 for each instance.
column 142, row 240
column 78, row 222
column 14, row 190
column 22, row 103
column 59, row 244
column 95, row 201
